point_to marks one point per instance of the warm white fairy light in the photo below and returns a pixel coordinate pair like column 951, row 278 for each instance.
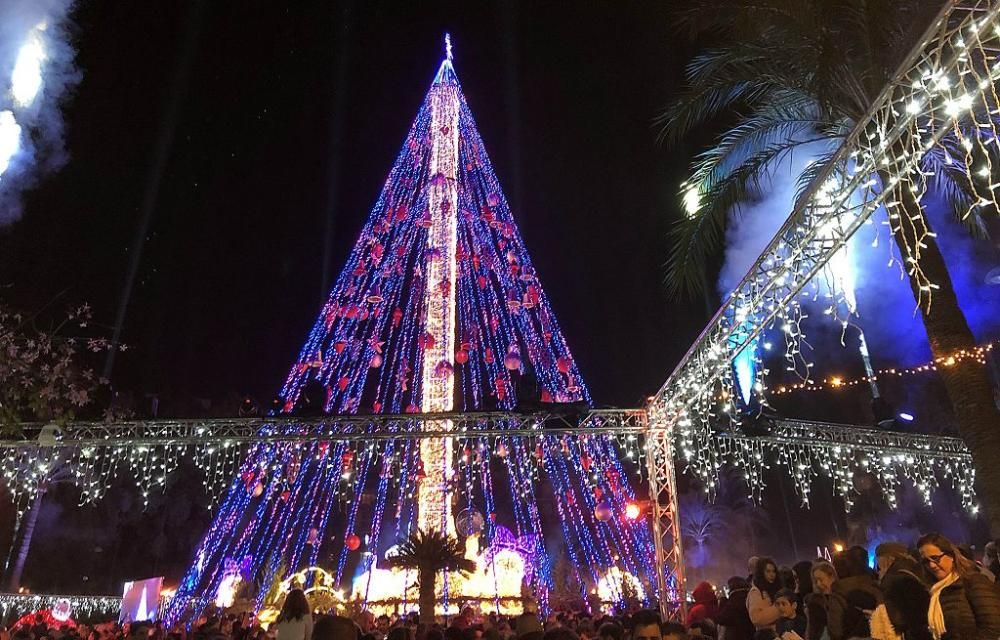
column 18, row 604
column 946, row 95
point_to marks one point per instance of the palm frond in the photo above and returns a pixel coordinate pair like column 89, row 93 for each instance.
column 431, row 551
column 694, row 239
column 697, row 106
column 804, row 71
column 716, row 80
column 733, row 17
column 787, row 116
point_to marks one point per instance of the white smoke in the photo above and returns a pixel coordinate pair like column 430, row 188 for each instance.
column 867, row 271
column 36, row 72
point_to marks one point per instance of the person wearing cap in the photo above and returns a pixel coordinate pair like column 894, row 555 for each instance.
column 903, row 614
column 733, row 615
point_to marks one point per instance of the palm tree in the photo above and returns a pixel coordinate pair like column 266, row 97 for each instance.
column 57, row 471
column 429, row 553
column 792, row 75
column 701, row 523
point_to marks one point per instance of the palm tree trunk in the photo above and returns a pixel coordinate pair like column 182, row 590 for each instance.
column 22, row 552
column 967, row 382
column 426, row 596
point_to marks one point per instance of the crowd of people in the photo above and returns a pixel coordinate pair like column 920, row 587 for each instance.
column 933, row 591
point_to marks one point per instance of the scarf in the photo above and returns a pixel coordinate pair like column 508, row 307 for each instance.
column 935, row 615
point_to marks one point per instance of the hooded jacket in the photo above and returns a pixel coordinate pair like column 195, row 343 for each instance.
column 734, row 617
column 706, row 604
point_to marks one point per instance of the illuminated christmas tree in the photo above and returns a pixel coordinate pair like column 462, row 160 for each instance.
column 438, row 310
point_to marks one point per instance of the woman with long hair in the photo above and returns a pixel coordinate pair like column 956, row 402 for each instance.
column 964, row 604
column 295, row 620
column 760, row 599
column 803, row 579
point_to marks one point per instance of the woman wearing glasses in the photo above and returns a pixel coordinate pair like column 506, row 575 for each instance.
column 964, row 604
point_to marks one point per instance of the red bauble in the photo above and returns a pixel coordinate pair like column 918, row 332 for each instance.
column 353, row 542
column 564, row 364
column 461, row 356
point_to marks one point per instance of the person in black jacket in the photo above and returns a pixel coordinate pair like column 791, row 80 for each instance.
column 904, row 613
column 791, row 618
column 964, row 604
column 733, row 615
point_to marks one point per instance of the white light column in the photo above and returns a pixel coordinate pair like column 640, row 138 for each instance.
column 440, row 271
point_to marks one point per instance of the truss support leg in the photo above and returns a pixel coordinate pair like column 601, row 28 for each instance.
column 669, row 564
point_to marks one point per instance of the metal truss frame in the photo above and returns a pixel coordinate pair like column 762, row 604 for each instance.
column 139, row 433
column 219, row 432
column 658, row 437
column 666, row 525
column 818, row 227
column 806, row 433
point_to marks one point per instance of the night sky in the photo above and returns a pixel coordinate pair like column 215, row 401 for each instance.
column 280, row 122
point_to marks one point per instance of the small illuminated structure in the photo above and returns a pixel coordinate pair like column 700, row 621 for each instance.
column 318, row 585
column 616, row 582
